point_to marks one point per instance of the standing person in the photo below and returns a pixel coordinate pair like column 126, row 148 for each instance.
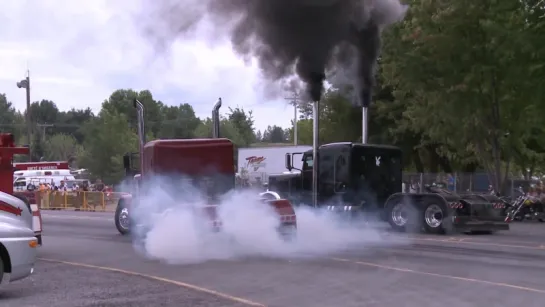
column 99, row 186
column 451, row 183
column 62, row 186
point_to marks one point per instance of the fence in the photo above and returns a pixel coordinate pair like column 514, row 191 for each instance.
column 460, row 182
column 75, row 200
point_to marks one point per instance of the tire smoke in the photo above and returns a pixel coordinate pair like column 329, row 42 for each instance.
column 309, row 38
column 170, row 223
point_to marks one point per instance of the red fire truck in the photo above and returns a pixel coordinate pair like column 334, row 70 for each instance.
column 40, row 166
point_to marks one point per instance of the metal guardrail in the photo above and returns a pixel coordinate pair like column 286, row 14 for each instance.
column 76, row 200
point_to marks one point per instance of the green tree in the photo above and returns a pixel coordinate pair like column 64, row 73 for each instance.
column 44, row 112
column 122, row 102
column 227, row 130
column 61, row 147
column 178, row 122
column 274, row 134
column 258, row 136
column 37, row 148
column 462, row 70
column 72, row 122
column 10, row 119
column 107, row 139
column 244, row 123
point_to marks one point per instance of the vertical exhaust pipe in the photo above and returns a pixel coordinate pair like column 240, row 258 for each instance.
column 315, row 141
column 216, row 119
column 364, row 125
column 365, row 98
column 141, row 132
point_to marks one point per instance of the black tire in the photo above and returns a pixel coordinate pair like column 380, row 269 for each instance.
column 1, row 268
column 436, row 217
column 403, row 214
column 122, row 212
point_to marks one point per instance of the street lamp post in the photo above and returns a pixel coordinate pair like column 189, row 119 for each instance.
column 25, row 83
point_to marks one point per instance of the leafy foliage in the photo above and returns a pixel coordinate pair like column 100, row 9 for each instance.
column 459, row 88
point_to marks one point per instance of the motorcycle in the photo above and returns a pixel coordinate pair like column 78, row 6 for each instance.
column 524, row 207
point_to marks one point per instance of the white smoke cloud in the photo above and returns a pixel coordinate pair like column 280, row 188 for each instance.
column 177, row 230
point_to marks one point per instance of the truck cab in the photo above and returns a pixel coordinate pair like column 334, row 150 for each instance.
column 349, row 174
column 361, row 177
column 197, row 172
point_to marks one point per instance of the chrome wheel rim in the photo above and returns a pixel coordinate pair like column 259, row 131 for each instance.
column 433, row 216
column 399, row 215
column 124, row 218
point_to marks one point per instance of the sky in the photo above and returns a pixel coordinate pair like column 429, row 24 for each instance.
column 79, row 52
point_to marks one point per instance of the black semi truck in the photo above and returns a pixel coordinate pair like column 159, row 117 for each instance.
column 362, row 179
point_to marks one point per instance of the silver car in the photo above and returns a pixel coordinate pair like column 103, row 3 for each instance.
column 18, row 243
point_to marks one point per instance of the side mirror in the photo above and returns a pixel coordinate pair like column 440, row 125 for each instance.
column 127, row 162
column 289, row 167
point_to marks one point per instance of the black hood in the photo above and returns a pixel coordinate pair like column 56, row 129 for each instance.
column 284, row 183
column 286, row 176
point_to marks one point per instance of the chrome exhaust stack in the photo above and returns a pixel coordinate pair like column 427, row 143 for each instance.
column 141, row 131
column 315, row 146
column 216, row 119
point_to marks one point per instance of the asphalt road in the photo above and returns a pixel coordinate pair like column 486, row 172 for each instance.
column 499, row 270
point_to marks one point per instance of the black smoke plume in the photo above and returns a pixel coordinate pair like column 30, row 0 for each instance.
column 310, row 38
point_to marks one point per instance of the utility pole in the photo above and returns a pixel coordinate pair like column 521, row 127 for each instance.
column 25, row 83
column 44, row 128
column 294, row 100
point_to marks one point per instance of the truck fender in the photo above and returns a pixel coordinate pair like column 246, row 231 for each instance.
column 269, row 195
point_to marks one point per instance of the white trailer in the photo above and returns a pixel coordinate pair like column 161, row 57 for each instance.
column 257, row 163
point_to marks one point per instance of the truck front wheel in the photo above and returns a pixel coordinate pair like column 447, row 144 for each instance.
column 122, row 219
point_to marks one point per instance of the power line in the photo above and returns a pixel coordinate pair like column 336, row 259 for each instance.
column 48, row 125
column 294, row 99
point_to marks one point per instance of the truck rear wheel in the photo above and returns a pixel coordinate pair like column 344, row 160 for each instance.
column 435, row 217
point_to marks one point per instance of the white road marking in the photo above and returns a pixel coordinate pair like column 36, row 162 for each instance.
column 186, row 285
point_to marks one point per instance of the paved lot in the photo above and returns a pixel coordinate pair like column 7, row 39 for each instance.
column 62, row 285
column 501, row 270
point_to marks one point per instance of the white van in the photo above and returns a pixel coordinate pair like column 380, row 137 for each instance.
column 57, row 172
column 23, row 180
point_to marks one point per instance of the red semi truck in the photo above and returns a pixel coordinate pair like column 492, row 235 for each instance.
column 208, row 163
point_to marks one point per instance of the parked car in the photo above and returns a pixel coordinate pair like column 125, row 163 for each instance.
column 18, row 242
